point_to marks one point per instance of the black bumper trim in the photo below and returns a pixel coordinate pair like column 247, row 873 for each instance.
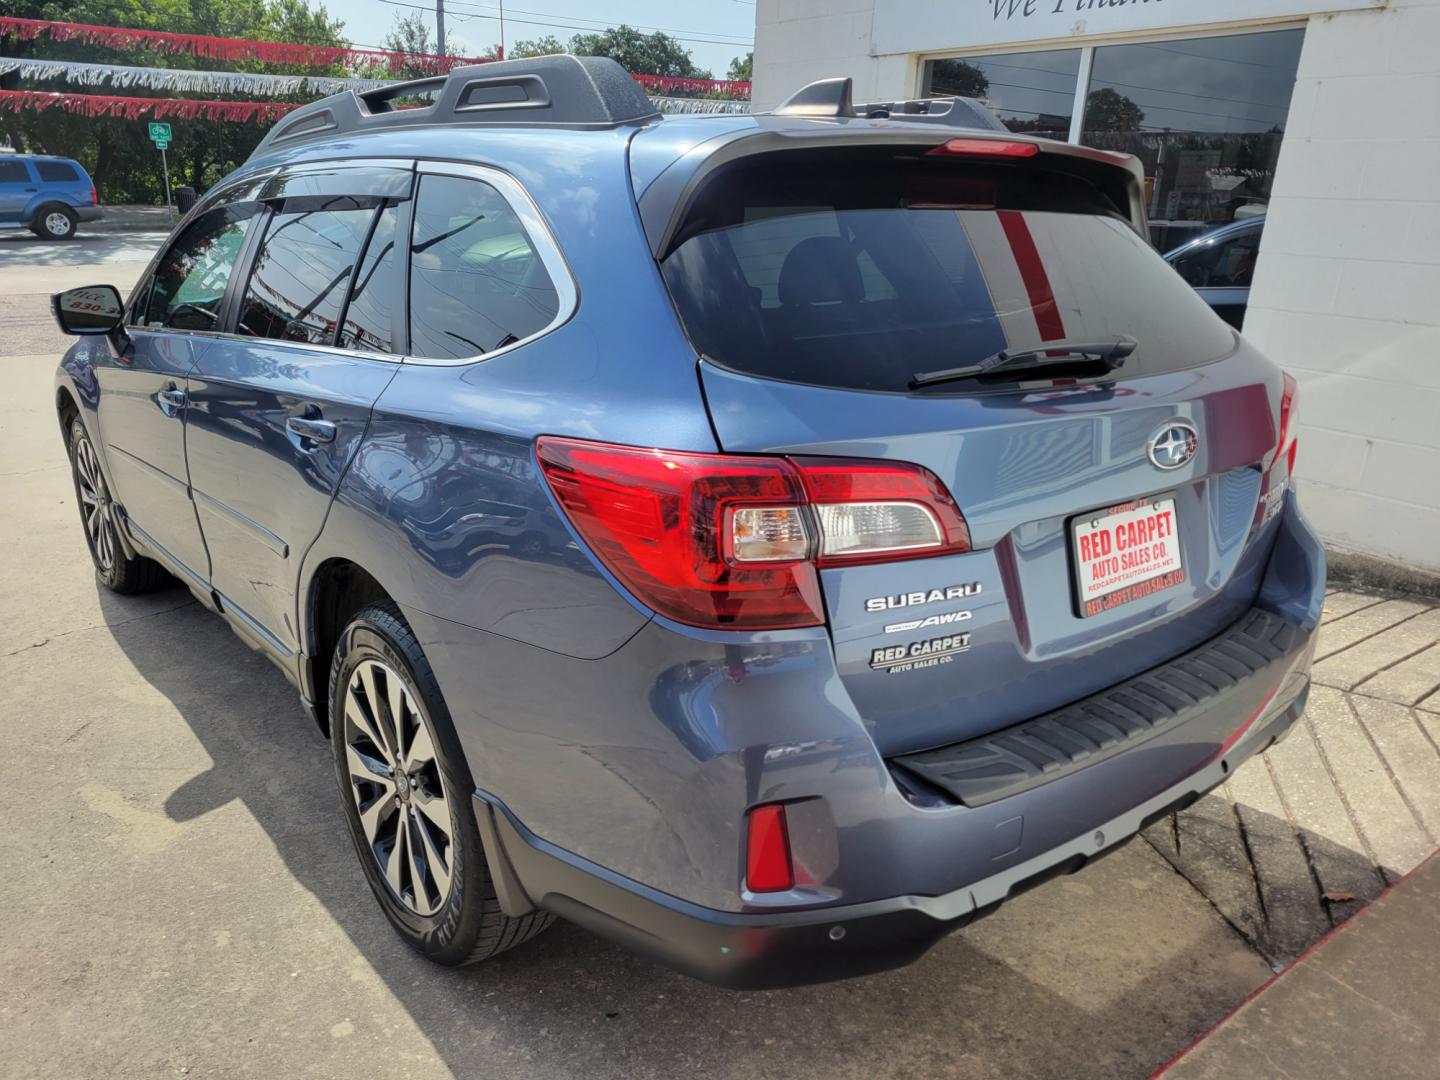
column 1034, row 752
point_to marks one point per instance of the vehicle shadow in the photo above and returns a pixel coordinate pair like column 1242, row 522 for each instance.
column 1105, row 974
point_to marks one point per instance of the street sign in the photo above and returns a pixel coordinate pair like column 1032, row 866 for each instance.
column 162, row 144
column 160, row 132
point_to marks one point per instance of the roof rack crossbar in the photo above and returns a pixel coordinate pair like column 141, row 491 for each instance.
column 576, row 92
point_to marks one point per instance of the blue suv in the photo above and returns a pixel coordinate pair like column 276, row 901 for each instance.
column 769, row 541
column 50, row 196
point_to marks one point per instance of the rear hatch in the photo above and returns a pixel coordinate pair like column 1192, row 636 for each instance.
column 1113, row 482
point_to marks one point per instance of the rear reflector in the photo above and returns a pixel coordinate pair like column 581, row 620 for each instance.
column 737, row 542
column 986, row 148
column 767, row 851
column 1288, row 399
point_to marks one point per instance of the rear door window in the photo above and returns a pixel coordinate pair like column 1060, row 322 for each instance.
column 863, row 272
column 57, row 172
column 304, row 270
column 14, row 172
column 477, row 283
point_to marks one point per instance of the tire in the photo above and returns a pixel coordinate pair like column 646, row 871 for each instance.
column 54, row 222
column 98, row 520
column 451, row 921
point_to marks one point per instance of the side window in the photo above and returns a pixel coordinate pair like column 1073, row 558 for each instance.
column 189, row 283
column 56, row 172
column 1227, row 264
column 476, row 282
column 303, row 271
column 367, row 318
column 14, row 172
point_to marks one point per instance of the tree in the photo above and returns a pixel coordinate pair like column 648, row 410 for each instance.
column 960, row 78
column 549, row 45
column 1107, row 109
column 741, row 68
column 410, row 34
column 645, row 54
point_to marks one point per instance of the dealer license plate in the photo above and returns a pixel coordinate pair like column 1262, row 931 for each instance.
column 1125, row 553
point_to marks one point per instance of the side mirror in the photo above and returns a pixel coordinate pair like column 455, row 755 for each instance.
column 92, row 309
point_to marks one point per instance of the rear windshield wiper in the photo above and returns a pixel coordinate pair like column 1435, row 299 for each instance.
column 1111, row 353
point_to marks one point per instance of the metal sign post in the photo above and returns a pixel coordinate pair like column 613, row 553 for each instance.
column 160, row 135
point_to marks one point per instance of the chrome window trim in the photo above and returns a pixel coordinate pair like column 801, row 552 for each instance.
column 538, row 232
column 515, row 196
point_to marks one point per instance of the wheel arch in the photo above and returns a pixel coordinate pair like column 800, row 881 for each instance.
column 337, row 588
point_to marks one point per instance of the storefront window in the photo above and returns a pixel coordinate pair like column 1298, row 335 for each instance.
column 1030, row 92
column 1204, row 115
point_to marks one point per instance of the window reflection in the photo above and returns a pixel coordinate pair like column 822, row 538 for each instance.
column 1029, row 92
column 476, row 283
column 1205, row 116
column 303, row 271
column 367, row 319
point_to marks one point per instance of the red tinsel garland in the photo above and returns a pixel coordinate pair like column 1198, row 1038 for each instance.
column 219, row 48
column 282, row 52
column 132, row 108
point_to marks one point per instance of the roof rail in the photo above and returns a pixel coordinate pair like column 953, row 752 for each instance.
column 543, row 91
column 832, row 98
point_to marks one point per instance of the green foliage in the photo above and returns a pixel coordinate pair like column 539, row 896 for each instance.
column 118, row 153
column 741, row 68
column 548, row 45
column 1107, row 109
column 649, row 54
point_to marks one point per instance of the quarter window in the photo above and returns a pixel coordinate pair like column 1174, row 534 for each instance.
column 57, row 172
column 304, row 269
column 476, row 282
column 190, row 283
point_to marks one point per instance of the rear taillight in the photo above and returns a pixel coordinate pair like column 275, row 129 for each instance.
column 736, row 542
column 1287, row 443
column 94, row 197
column 768, row 866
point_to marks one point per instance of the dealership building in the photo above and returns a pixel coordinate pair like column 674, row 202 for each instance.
column 1321, row 116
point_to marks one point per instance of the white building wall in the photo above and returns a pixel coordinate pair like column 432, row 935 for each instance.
column 799, row 41
column 1347, row 290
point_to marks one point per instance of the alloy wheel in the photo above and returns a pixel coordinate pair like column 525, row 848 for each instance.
column 397, row 786
column 57, row 224
column 96, row 509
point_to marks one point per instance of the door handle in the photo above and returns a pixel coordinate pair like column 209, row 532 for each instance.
column 304, row 427
column 172, row 400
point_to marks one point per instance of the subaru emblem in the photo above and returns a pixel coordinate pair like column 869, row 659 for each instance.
column 1173, row 444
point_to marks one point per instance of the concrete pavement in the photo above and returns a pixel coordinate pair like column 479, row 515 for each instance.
column 184, row 901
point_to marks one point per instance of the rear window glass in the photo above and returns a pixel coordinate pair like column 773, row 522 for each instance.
column 56, row 171
column 866, row 272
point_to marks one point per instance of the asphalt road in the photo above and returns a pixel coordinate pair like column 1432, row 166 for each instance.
column 182, row 900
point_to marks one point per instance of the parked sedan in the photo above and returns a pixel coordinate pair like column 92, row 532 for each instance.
column 1220, row 264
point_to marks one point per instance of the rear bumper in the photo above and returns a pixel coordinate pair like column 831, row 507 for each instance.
column 749, row 951
column 88, row 213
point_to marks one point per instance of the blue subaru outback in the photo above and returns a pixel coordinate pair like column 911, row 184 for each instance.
column 769, row 541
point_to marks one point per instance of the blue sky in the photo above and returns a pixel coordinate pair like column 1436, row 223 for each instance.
column 713, row 30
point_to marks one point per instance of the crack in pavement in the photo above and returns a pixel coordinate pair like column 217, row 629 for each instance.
column 96, row 626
